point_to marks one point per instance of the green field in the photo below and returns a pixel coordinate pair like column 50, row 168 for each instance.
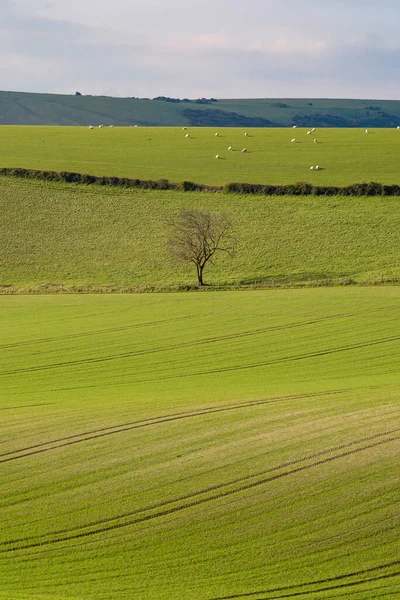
column 200, row 446
column 346, row 155
column 21, row 108
column 96, row 238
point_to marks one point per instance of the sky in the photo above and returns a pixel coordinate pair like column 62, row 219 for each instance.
column 202, row 48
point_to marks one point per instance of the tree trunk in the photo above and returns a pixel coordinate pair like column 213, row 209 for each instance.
column 200, row 275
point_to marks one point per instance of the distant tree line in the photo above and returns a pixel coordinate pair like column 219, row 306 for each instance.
column 379, row 118
column 222, row 118
column 178, row 100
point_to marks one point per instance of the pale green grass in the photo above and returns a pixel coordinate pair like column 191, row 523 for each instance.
column 98, row 237
column 57, row 109
column 200, row 446
column 345, row 155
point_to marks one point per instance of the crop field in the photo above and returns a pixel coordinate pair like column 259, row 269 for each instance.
column 200, row 446
column 345, row 156
column 93, row 237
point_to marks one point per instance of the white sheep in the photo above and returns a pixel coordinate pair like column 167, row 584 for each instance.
column 398, row 126
column 246, row 135
column 294, row 127
column 367, row 131
column 317, row 167
column 309, row 132
column 217, row 134
column 315, row 141
column 184, row 128
column 187, row 136
column 91, row 127
column 111, row 125
column 230, row 148
column 217, row 156
column 311, row 168
column 293, row 140
column 244, row 150
column 100, row 126
column 313, row 129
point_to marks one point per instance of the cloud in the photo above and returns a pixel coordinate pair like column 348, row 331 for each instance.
column 221, row 48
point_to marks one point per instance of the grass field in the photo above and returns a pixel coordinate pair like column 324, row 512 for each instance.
column 346, row 155
column 200, row 446
column 57, row 109
column 96, row 237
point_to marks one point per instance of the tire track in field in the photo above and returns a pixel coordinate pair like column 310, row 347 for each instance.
column 216, row 339
column 285, row 359
column 73, row 336
column 351, row 531
column 189, row 501
column 122, row 427
column 330, row 588
column 337, row 578
column 26, row 406
column 227, row 484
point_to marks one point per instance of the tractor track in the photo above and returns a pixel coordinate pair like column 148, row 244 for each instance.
column 330, row 588
column 337, row 578
column 130, row 425
column 216, row 339
column 191, row 500
column 21, row 406
column 227, row 369
column 74, row 336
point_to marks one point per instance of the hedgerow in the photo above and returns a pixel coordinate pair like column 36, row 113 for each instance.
column 301, row 188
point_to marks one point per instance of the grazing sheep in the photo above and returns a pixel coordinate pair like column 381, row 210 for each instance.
column 308, row 132
column 315, row 141
column 311, row 168
column 398, row 126
column 367, row 131
column 312, row 130
column 217, row 156
column 91, row 127
column 230, row 148
column 135, row 125
column 293, row 140
column 246, row 135
column 294, row 127
column 184, row 128
column 217, row 134
column 317, row 167
column 111, row 125
column 244, row 150
column 100, row 126
column 187, row 136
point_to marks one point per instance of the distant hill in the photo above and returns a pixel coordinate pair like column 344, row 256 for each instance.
column 21, row 108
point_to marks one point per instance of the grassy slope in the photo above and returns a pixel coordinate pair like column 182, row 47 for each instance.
column 346, row 155
column 52, row 109
column 75, row 235
column 200, row 446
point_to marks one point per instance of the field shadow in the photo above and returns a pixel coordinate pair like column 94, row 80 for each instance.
column 306, row 277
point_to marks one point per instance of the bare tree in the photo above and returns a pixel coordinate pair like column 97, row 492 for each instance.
column 197, row 236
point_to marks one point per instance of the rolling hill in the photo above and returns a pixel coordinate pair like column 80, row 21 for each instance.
column 22, row 108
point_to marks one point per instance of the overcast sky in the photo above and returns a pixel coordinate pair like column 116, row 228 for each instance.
column 195, row 48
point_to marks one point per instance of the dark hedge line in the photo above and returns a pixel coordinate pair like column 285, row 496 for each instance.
column 296, row 189
column 125, row 182
column 306, row 189
column 69, row 177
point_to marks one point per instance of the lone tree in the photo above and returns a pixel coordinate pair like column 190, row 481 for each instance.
column 197, row 236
